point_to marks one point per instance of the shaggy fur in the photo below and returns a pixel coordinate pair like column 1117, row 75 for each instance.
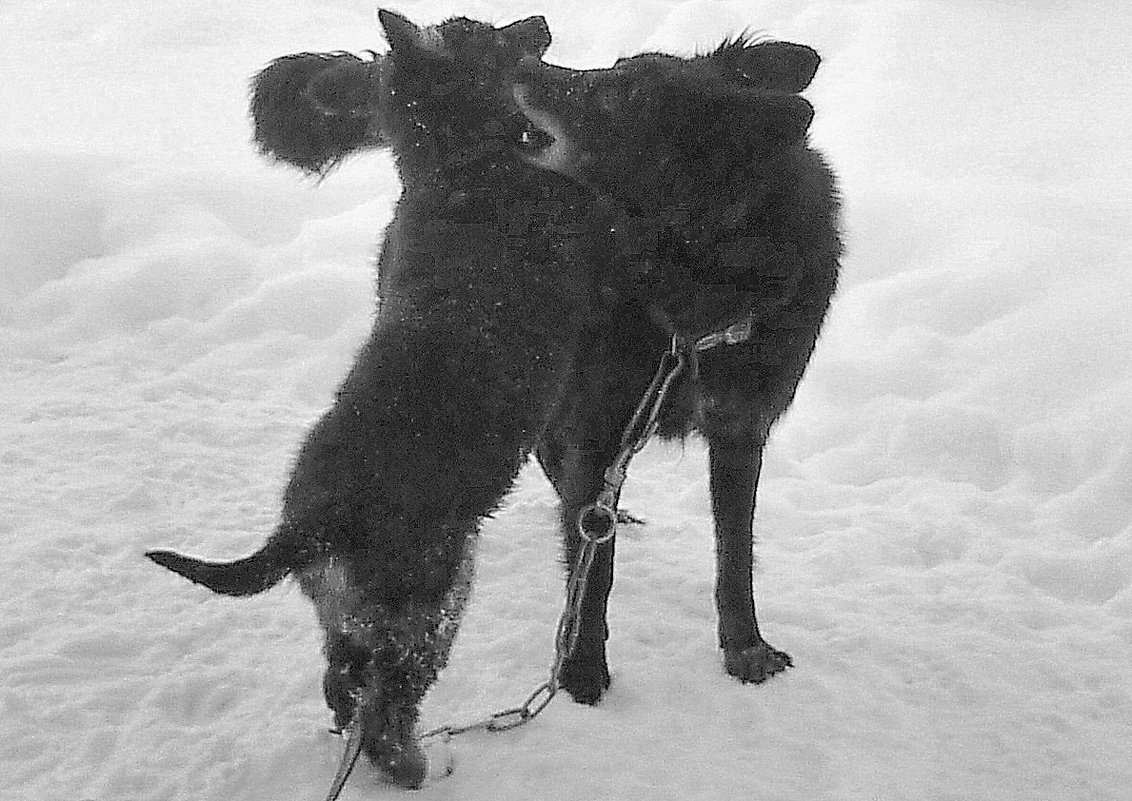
column 487, row 279
column 311, row 110
column 729, row 216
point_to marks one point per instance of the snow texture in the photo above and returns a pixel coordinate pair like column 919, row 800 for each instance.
column 945, row 516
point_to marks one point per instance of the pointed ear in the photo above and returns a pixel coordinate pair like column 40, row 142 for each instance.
column 403, row 36
column 777, row 66
column 532, row 35
column 784, row 120
column 783, row 66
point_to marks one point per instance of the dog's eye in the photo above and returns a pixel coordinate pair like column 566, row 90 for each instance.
column 532, row 139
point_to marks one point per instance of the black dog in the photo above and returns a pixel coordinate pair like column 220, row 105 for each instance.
column 487, row 278
column 731, row 219
column 731, row 222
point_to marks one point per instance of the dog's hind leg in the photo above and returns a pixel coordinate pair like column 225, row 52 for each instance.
column 377, row 673
column 735, row 466
column 344, row 675
column 382, row 656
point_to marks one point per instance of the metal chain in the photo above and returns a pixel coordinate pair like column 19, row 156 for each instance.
column 597, row 525
column 565, row 639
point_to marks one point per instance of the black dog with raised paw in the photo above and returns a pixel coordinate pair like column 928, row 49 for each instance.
column 486, row 280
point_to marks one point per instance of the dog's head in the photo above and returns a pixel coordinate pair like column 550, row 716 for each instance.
column 440, row 97
column 654, row 123
column 446, row 102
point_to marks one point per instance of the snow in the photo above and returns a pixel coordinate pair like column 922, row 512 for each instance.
column 945, row 515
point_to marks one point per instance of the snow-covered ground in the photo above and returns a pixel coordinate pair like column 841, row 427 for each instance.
column 945, row 516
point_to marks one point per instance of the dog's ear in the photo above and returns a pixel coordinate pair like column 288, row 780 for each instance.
column 531, row 35
column 776, row 66
column 406, row 39
column 311, row 110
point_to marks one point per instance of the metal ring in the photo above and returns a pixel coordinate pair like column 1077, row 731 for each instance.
column 597, row 523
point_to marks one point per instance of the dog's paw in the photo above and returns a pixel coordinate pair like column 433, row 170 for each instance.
column 403, row 763
column 585, row 681
column 755, row 663
column 391, row 744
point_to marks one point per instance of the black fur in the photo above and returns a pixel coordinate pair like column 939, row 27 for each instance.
column 311, row 110
column 486, row 281
column 729, row 215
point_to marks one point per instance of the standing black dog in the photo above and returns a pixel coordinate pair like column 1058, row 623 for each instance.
column 731, row 222
column 487, row 278
column 729, row 218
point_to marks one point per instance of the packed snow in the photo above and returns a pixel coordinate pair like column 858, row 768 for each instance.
column 945, row 516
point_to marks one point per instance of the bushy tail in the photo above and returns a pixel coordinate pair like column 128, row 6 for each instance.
column 312, row 110
column 262, row 570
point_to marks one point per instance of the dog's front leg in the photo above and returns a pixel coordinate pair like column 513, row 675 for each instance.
column 735, row 465
column 585, row 674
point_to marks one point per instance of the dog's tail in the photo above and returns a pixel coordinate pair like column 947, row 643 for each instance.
column 253, row 574
column 312, row 110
